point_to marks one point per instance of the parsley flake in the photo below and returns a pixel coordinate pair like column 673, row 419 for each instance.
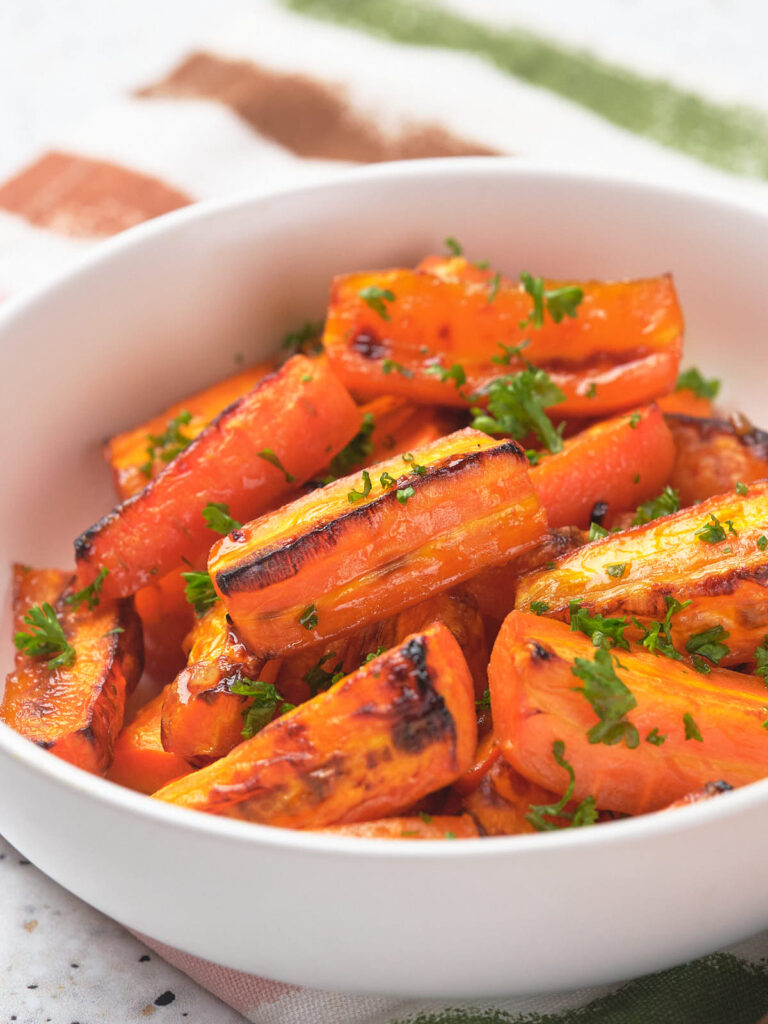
column 602, row 631
column 354, row 496
column 610, row 700
column 453, row 247
column 665, row 504
column 357, row 451
column 591, row 391
column 168, row 445
column 308, row 618
column 761, row 660
column 266, row 701
column 742, row 489
column 456, row 373
column 199, row 591
column 269, row 456
column 634, row 420
column 217, row 517
column 45, row 638
column 584, row 814
column 655, row 737
column 691, row 729
column 692, row 380
column 404, row 493
column 494, row 289
column 387, row 480
column 558, row 302
column 320, row 678
column 516, row 404
column 509, row 352
column 712, row 531
column 539, row 607
column 388, row 365
column 597, row 532
column 91, row 593
column 376, row 298
column 305, row 338
column 485, row 699
column 762, row 542
column 616, row 569
column 709, row 644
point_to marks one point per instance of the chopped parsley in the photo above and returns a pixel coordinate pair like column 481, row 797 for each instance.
column 665, row 504
column 266, row 701
column 691, row 729
column 610, row 700
column 534, row 457
column 404, row 493
column 712, row 531
column 305, row 338
column 762, row 542
column 494, row 289
column 308, row 618
column 453, row 247
column 45, row 638
column 217, row 517
column 374, row 654
column 357, row 451
column 539, row 607
column 485, row 699
column 509, row 352
column 708, row 644
column 634, row 420
column 387, row 480
column 269, row 456
column 597, row 532
column 742, row 489
column 761, row 659
column 655, row 737
column 320, row 678
column 602, row 631
column 591, row 391
column 377, row 298
column 692, row 380
column 657, row 635
column 558, row 302
column 516, row 404
column 168, row 445
column 616, row 569
column 199, row 591
column 354, row 496
column 585, row 814
column 91, row 593
column 456, row 373
column 388, row 365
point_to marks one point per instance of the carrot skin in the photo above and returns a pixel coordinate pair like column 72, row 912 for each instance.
column 140, row 761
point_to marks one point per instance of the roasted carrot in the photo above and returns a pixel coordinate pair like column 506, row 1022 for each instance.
column 502, row 799
column 310, row 670
column 685, row 403
column 424, row 826
column 367, row 545
column 714, row 555
column 166, row 618
column 247, row 458
column 202, row 716
column 398, row 728
column 621, row 350
column 75, row 709
column 494, row 589
column 712, row 456
column 688, row 728
column 615, row 465
column 140, row 761
column 486, row 754
column 138, row 455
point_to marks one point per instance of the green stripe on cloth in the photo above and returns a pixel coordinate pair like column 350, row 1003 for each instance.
column 717, row 989
column 730, row 137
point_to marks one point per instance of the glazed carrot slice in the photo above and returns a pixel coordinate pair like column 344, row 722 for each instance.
column 617, row 463
column 485, row 756
column 426, row 826
column 685, row 403
column 140, row 761
column 310, row 670
column 202, row 718
column 166, row 619
column 396, row 729
column 712, row 456
column 621, row 350
column 535, row 704
column 714, row 555
column 76, row 710
column 362, row 548
column 247, row 458
column 135, row 456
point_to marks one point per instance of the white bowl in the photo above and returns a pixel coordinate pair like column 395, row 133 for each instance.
column 166, row 308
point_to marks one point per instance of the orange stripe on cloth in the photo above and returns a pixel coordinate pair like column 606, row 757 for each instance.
column 83, row 198
column 310, row 118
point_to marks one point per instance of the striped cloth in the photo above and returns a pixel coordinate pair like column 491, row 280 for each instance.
column 292, row 90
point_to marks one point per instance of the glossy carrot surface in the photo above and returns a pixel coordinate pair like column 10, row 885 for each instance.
column 140, row 760
column 352, row 552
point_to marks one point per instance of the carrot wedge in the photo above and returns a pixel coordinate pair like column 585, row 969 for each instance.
column 502, row 799
column 712, row 456
column 140, row 760
column 714, row 555
column 424, row 826
column 166, row 619
column 622, row 349
column 75, row 711
column 618, row 463
column 400, row 727
column 365, row 546
column 137, row 456
column 706, row 727
column 202, row 717
column 247, row 458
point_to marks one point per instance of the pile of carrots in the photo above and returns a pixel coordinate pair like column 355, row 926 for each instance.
column 473, row 558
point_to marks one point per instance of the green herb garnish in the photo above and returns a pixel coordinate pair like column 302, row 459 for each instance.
column 45, row 638
column 217, row 517
column 597, row 532
column 584, row 814
column 742, row 489
column 91, row 593
column 494, row 289
column 709, row 644
column 655, row 737
column 516, row 404
column 453, row 247
column 266, row 701
column 387, row 480
column 357, row 451
column 168, row 445
column 456, row 373
column 305, row 338
column 308, row 618
column 354, row 496
column 610, row 700
column 404, row 493
column 665, row 504
column 558, row 302
column 692, row 380
column 539, row 607
column 318, row 677
column 376, row 298
column 602, row 631
column 269, row 456
column 199, row 591
column 616, row 569
column 691, row 729
column 761, row 659
column 712, row 531
column 388, row 365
